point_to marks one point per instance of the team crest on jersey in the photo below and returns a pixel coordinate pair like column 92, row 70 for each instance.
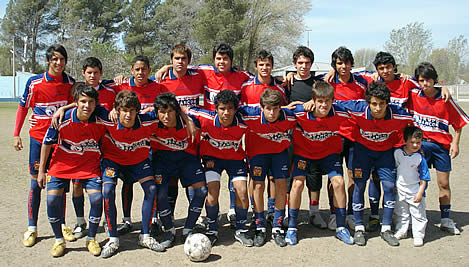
column 158, row 178
column 36, row 165
column 358, row 173
column 302, row 164
column 210, row 164
column 110, row 172
column 257, row 171
column 48, row 178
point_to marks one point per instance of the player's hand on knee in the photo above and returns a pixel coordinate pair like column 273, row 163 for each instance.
column 17, row 143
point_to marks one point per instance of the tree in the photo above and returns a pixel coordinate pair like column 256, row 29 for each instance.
column 364, row 57
column 450, row 62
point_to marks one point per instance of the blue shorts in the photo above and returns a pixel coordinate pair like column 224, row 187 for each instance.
column 177, row 163
column 213, row 167
column 347, row 152
column 128, row 173
column 330, row 165
column 274, row 164
column 437, row 156
column 54, row 183
column 365, row 159
column 90, row 184
column 35, row 156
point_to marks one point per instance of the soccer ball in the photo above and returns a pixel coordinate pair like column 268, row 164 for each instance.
column 197, row 247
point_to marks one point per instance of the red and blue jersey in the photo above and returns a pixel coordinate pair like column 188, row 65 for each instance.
column 434, row 116
column 316, row 138
column 77, row 154
column 375, row 134
column 107, row 96
column 146, row 93
column 218, row 141
column 264, row 137
column 188, row 89
column 354, row 89
column 45, row 94
column 252, row 89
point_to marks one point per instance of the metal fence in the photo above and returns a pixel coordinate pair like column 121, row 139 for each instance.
column 459, row 92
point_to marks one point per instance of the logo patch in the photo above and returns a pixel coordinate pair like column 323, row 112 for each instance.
column 36, row 165
column 48, row 178
column 358, row 173
column 302, row 164
column 110, row 172
column 257, row 171
column 158, row 178
column 210, row 163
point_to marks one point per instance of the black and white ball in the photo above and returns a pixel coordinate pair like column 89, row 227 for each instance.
column 197, row 247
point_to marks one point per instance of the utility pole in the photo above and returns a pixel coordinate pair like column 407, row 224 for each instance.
column 13, row 69
column 24, row 53
column 307, row 44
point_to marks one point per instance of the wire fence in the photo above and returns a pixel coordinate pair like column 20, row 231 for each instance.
column 459, row 92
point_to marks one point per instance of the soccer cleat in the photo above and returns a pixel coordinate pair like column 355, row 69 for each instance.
column 243, row 238
column 67, row 232
column 418, row 242
column 93, row 247
column 151, row 243
column 58, row 249
column 201, row 225
column 29, row 238
column 350, row 222
column 259, row 238
column 168, row 239
column 290, row 238
column 279, row 238
column 212, row 236
column 389, row 238
column 373, row 225
column 449, row 226
column 344, row 235
column 269, row 219
column 109, row 249
column 231, row 218
column 317, row 221
column 124, row 228
column 400, row 235
column 79, row 230
column 332, row 224
column 359, row 238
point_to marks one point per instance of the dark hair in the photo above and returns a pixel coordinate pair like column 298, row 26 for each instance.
column 142, row 58
column 342, row 53
column 226, row 97
column 92, row 62
column 56, row 48
column 165, row 101
column 263, row 54
column 83, row 89
column 223, row 48
column 384, row 58
column 271, row 97
column 303, row 51
column 127, row 99
column 322, row 89
column 412, row 131
column 379, row 90
column 182, row 49
column 427, row 71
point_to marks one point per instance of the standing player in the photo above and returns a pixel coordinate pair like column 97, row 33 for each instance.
column 44, row 93
column 434, row 116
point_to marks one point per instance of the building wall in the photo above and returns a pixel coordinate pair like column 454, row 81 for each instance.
column 7, row 91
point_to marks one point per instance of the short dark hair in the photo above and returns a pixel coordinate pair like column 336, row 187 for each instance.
column 127, row 99
column 264, row 54
column 412, row 131
column 303, row 51
column 226, row 97
column 322, row 89
column 182, row 49
column 83, row 89
column 384, row 58
column 223, row 48
column 427, row 71
column 342, row 53
column 166, row 100
column 142, row 58
column 92, row 62
column 270, row 97
column 379, row 90
column 56, row 48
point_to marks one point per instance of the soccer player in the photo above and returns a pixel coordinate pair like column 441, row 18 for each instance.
column 77, row 157
column 176, row 155
column 317, row 142
column 44, row 93
column 434, row 116
column 222, row 132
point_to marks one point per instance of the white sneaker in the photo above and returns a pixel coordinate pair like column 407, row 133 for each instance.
column 332, row 224
column 316, row 220
column 418, row 242
column 350, row 221
column 401, row 235
column 151, row 243
column 449, row 226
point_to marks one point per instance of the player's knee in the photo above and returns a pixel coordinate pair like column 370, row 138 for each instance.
column 96, row 199
column 109, row 189
column 388, row 187
column 338, row 183
column 298, row 184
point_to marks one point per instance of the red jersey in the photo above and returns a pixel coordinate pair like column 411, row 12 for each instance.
column 252, row 89
column 434, row 116
column 173, row 139
column 107, row 96
column 188, row 89
column 316, row 138
column 77, row 155
column 354, row 89
column 218, row 141
column 146, row 93
column 45, row 94
column 264, row 137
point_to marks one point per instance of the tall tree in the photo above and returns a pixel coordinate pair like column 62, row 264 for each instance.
column 450, row 62
column 364, row 57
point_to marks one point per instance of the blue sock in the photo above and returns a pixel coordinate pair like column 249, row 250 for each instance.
column 270, row 205
column 260, row 219
column 195, row 206
column 149, row 189
column 374, row 194
column 241, row 215
column 163, row 206
column 349, row 206
column 34, row 199
column 55, row 214
column 445, row 210
column 340, row 217
column 232, row 195
column 292, row 217
column 173, row 192
column 78, row 205
column 127, row 195
column 96, row 209
column 212, row 217
column 389, row 199
column 109, row 195
column 251, row 200
column 279, row 215
column 64, row 210
column 359, row 200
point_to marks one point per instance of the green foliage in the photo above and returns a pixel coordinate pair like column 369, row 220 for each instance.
column 364, row 58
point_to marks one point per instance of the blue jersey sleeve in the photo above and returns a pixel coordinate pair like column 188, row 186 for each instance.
column 249, row 111
column 51, row 137
column 423, row 169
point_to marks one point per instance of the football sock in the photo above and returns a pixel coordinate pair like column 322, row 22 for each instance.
column 241, row 215
column 78, row 205
column 109, row 195
column 149, row 189
column 163, row 206
column 313, row 207
column 389, row 199
column 96, row 209
column 127, row 195
column 173, row 195
column 232, row 195
column 358, row 201
column 270, row 205
column 260, row 220
column 195, row 206
column 212, row 216
column 445, row 210
column 292, row 217
column 340, row 217
column 34, row 199
column 55, row 213
column 279, row 215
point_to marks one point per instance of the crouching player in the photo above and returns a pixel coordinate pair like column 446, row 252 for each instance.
column 76, row 157
column 267, row 141
column 316, row 141
column 222, row 131
column 176, row 155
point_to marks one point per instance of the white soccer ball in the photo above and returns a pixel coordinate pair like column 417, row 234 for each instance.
column 197, row 247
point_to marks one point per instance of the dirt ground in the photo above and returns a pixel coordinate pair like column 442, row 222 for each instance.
column 315, row 247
